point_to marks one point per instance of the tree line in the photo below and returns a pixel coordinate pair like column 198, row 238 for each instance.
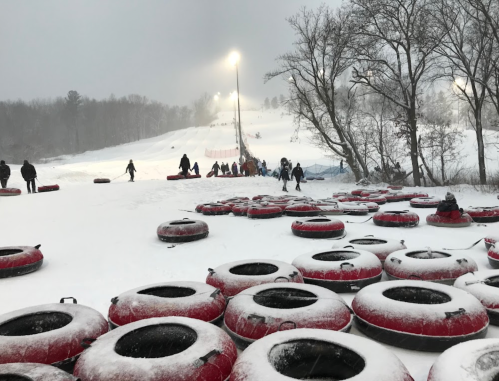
column 392, row 53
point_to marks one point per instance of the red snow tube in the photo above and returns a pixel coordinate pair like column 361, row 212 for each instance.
column 188, row 299
column 419, row 315
column 10, row 192
column 101, row 181
column 395, row 187
column 318, row 228
column 341, row 194
column 483, row 214
column 425, row 202
column 241, row 209
column 490, row 241
column 216, row 209
column 394, row 197
column 199, row 208
column 33, row 372
column 358, row 192
column 264, row 212
column 340, row 270
column 380, row 247
column 259, row 197
column 160, row 349
column 49, row 334
column 349, row 198
column 396, row 219
column 269, row 308
column 410, row 195
column 445, row 222
column 185, row 230
column 372, row 207
column 19, row 260
column 193, row 176
column 210, row 174
column 280, row 205
column 175, row 177
column 493, row 257
column 428, row 265
column 48, row 188
column 302, row 210
column 234, row 277
column 234, row 200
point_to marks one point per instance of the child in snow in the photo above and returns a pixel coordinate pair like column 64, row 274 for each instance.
column 195, row 168
column 297, row 174
column 285, row 177
column 448, row 208
column 131, row 169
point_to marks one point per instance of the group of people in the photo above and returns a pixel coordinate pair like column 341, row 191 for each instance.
column 28, row 172
column 286, row 169
column 247, row 168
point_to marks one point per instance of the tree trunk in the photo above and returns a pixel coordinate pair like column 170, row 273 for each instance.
column 481, row 148
column 442, row 163
column 414, row 146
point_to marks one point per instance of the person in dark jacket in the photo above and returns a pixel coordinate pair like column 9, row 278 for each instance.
column 284, row 162
column 28, row 172
column 4, row 174
column 222, row 168
column 245, row 169
column 130, row 168
column 185, row 164
column 195, row 168
column 341, row 166
column 234, row 169
column 448, row 208
column 215, row 168
column 285, row 177
column 297, row 174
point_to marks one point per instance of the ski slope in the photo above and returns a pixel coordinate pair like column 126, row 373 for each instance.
column 100, row 240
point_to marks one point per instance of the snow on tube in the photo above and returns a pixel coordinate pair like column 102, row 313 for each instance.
column 408, row 196
column 483, row 214
column 175, row 177
column 216, row 209
column 490, row 240
column 394, row 197
column 49, row 334
column 340, row 270
column 48, row 188
column 474, row 360
column 102, row 181
column 33, row 372
column 264, row 212
column 429, row 265
column 358, row 192
column 417, row 315
column 367, row 193
column 329, row 208
column 493, row 257
column 340, row 194
column 444, row 222
column 19, row 260
column 350, row 198
column 241, row 209
column 234, row 199
column 210, row 174
column 372, row 207
column 381, row 247
column 234, row 277
column 5, row 192
column 425, row 202
column 395, row 187
column 378, row 199
column 188, row 299
column 262, row 310
column 353, row 209
column 259, row 197
column 302, row 210
column 193, row 176
column 280, row 205
column 185, row 230
column 318, row 228
column 395, row 219
column 317, row 354
column 483, row 286
column 160, row 349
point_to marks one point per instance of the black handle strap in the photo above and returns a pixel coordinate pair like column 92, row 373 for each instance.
column 460, row 261
column 281, row 277
column 115, row 300
column 293, row 274
column 211, row 271
column 257, row 317
column 215, row 293
column 348, row 246
column 204, row 359
column 87, row 342
column 69, row 297
column 460, row 311
column 346, row 264
column 287, row 322
column 399, row 261
column 37, row 246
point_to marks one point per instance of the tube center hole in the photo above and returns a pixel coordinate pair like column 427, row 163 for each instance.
column 254, row 269
column 285, row 298
column 367, row 241
column 334, row 256
column 427, row 255
column 34, row 324
column 168, row 292
column 5, row 252
column 417, row 295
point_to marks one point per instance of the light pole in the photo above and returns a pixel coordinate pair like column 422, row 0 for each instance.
column 233, row 96
column 234, row 60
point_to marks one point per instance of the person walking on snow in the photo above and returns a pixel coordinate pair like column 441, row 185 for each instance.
column 215, row 168
column 234, row 169
column 448, row 208
column 4, row 173
column 260, row 166
column 131, row 169
column 185, row 164
column 28, row 172
column 222, row 168
column 297, row 174
column 285, row 177
column 195, row 168
column 341, row 166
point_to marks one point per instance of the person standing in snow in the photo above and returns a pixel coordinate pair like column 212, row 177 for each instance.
column 448, row 208
column 185, row 164
column 245, row 169
column 341, row 166
column 195, row 168
column 260, row 166
column 4, row 173
column 264, row 168
column 131, row 169
column 234, row 169
column 222, row 168
column 297, row 174
column 285, row 177
column 215, row 168
column 28, row 172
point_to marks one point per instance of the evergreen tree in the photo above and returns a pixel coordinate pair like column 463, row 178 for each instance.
column 266, row 103
column 274, row 103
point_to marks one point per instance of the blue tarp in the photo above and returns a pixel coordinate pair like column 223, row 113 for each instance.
column 322, row 171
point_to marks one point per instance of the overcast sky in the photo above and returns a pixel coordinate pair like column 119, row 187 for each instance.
column 168, row 50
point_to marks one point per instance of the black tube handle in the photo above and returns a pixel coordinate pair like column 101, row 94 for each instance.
column 115, row 300
column 87, row 342
column 204, row 359
column 286, row 322
column 211, row 271
column 215, row 293
column 281, row 277
column 257, row 317
column 370, row 235
column 348, row 246
column 346, row 264
column 460, row 261
column 399, row 261
column 293, row 274
column 69, row 297
column 37, row 246
column 460, row 311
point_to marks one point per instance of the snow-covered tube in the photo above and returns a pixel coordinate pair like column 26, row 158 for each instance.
column 394, row 197
column 408, row 196
column 425, row 202
column 259, row 197
column 340, row 194
column 358, row 192
column 302, row 210
column 280, row 205
column 380, row 200
column 340, row 270
column 185, row 230
column 175, row 177
column 329, row 208
column 262, row 310
column 216, row 209
column 33, row 372
column 19, row 260
column 493, row 257
column 367, row 193
column 419, row 315
column 349, row 198
column 199, row 208
column 429, row 265
column 396, row 219
column 5, row 192
column 483, row 214
column 234, row 277
column 188, row 299
column 474, row 360
column 372, row 207
column 160, row 349
column 316, row 354
column 395, row 187
column 264, row 212
column 483, row 286
column 318, row 228
column 48, row 334
column 490, row 240
column 444, row 222
column 234, row 200
column 48, row 188
column 353, row 208
column 101, row 181
column 381, row 247
column 241, row 209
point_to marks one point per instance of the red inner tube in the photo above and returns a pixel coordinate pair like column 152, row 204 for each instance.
column 433, row 219
column 216, row 209
column 102, row 181
column 396, row 218
column 16, row 256
column 262, row 210
column 358, row 192
column 182, row 230
column 10, row 192
column 48, row 188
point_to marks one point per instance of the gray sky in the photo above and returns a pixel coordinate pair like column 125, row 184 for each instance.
column 167, row 50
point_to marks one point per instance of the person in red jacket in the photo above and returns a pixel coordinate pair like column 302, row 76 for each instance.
column 448, row 208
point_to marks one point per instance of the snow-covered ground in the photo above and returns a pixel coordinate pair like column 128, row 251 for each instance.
column 100, row 240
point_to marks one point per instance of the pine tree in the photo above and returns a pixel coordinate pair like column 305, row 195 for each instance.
column 266, row 103
column 274, row 103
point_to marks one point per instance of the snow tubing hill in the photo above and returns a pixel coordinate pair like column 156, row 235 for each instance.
column 19, row 260
column 425, row 202
column 48, row 188
column 102, row 181
column 419, row 315
column 49, row 334
column 318, row 228
column 445, row 222
column 381, row 247
column 188, row 299
column 315, row 354
column 264, row 212
column 398, row 219
column 234, row 277
column 269, row 308
column 340, row 270
column 483, row 214
column 195, row 350
column 5, row 192
column 185, row 230
column 33, row 372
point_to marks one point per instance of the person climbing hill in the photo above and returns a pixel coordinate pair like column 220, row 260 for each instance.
column 195, row 168
column 449, row 208
column 4, row 174
column 185, row 164
column 215, row 168
column 131, row 169
column 297, row 173
column 28, row 172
